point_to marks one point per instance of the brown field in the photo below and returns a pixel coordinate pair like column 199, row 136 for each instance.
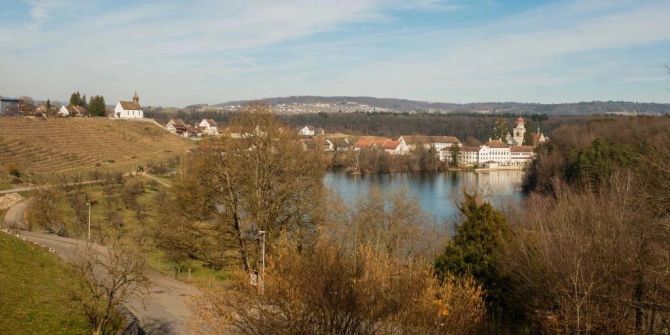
column 61, row 146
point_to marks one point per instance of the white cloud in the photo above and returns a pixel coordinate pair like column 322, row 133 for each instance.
column 203, row 51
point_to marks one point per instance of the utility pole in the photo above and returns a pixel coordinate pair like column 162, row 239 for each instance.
column 262, row 278
column 89, row 220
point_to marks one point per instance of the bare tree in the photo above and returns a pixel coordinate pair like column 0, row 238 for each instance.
column 108, row 278
column 257, row 176
column 331, row 291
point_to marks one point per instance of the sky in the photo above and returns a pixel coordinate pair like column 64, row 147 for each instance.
column 177, row 52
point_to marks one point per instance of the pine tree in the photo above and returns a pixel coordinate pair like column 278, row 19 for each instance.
column 83, row 102
column 48, row 106
column 476, row 248
column 97, row 106
column 75, row 99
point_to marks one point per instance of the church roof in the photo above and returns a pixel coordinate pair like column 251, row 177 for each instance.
column 130, row 105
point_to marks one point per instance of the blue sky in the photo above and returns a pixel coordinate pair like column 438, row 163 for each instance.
column 178, row 52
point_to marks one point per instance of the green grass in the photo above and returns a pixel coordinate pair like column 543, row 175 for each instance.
column 34, row 288
column 200, row 275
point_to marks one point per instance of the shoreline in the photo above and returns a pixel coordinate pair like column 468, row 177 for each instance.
column 449, row 169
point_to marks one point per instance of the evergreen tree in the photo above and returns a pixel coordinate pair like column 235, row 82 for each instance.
column 48, row 106
column 83, row 101
column 75, row 99
column 97, row 106
column 476, row 248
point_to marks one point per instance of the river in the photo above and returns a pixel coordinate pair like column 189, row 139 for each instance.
column 437, row 192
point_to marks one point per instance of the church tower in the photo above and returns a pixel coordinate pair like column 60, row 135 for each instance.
column 136, row 98
column 519, row 131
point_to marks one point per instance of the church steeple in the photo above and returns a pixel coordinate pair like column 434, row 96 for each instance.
column 136, row 98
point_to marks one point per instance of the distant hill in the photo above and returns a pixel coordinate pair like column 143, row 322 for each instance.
column 307, row 104
column 46, row 146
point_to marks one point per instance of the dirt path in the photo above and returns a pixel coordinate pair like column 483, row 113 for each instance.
column 165, row 311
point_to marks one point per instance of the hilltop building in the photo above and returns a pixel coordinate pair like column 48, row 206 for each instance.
column 129, row 109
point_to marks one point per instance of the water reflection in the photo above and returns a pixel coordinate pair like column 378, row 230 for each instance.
column 437, row 193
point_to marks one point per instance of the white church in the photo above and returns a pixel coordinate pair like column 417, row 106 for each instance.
column 129, row 109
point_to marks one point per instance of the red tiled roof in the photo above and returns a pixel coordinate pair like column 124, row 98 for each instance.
column 522, row 148
column 391, row 144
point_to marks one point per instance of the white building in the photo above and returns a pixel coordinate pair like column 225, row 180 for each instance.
column 493, row 153
column 72, row 111
column 176, row 126
column 208, row 127
column 129, row 109
column 306, row 131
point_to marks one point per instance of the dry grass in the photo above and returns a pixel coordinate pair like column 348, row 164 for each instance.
column 61, row 146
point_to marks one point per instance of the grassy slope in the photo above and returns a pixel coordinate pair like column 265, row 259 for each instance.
column 33, row 292
column 78, row 144
column 200, row 275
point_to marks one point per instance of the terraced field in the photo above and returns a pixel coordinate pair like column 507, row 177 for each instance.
column 60, row 146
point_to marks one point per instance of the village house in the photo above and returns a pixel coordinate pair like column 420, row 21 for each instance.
column 9, row 106
column 176, row 126
column 208, row 127
column 393, row 147
column 129, row 109
column 70, row 110
column 306, row 131
column 311, row 131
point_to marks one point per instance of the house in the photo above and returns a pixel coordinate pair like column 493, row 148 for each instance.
column 411, row 142
column 306, row 131
column 129, row 109
column 208, row 127
column 70, row 110
column 176, row 126
column 393, row 147
column 369, row 142
column 9, row 106
column 337, row 144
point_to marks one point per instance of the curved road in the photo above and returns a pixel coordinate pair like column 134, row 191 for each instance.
column 164, row 311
